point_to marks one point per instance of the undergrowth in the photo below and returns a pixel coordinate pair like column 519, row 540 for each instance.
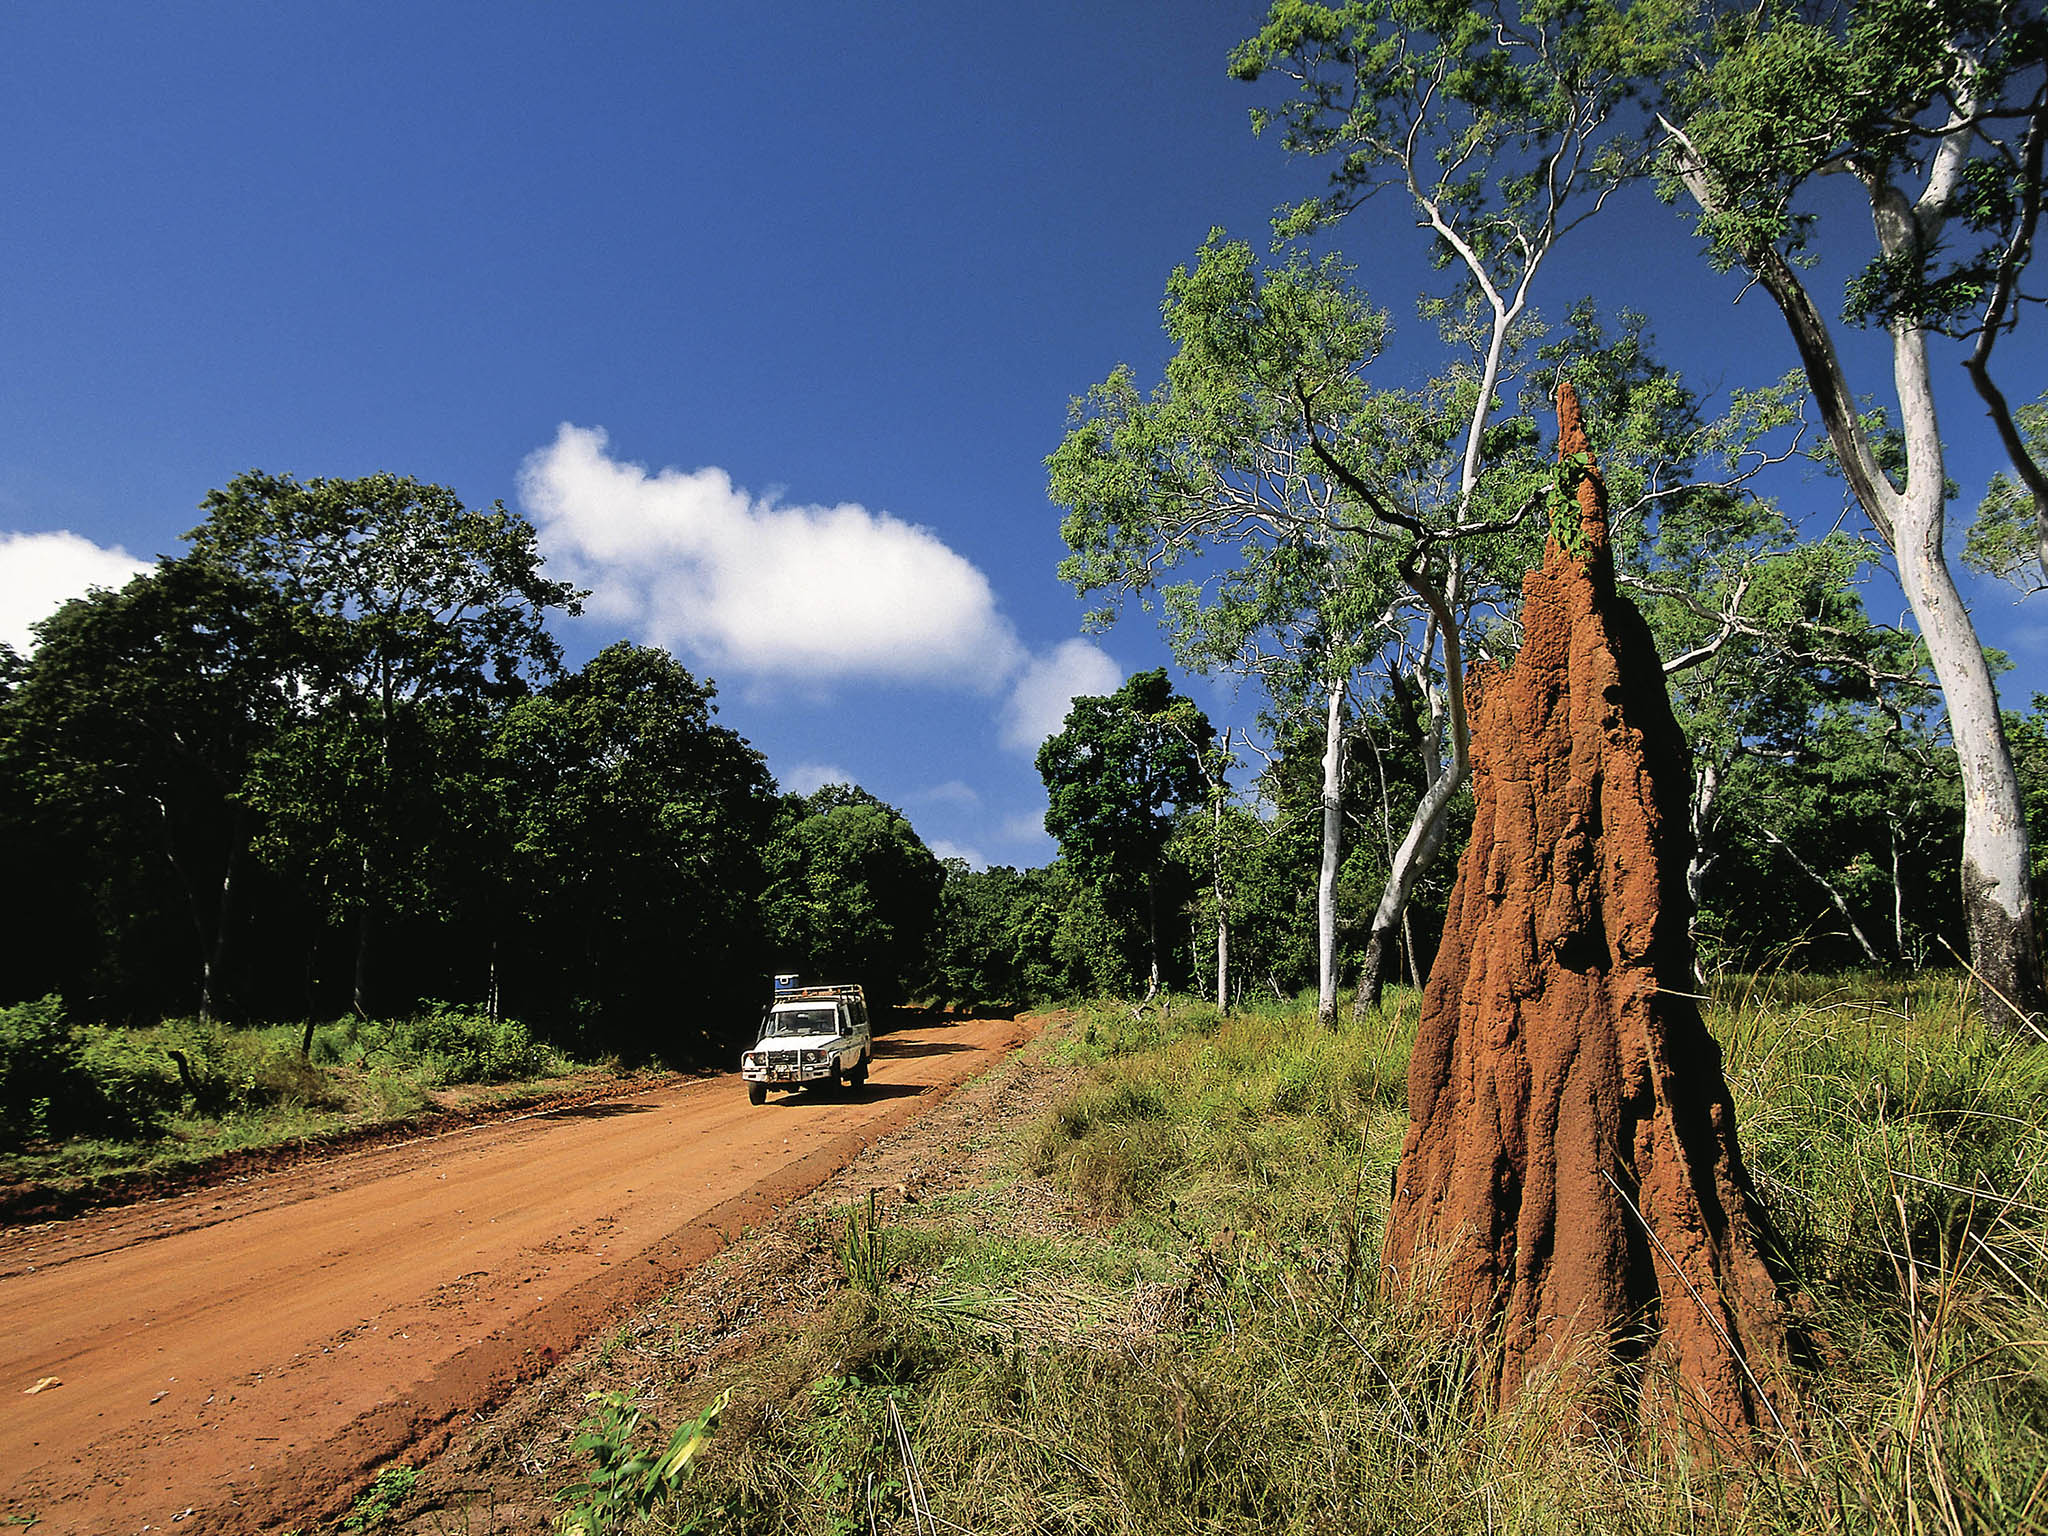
column 1168, row 1318
column 80, row 1101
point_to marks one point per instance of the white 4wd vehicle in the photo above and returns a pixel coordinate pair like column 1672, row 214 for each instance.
column 810, row 1035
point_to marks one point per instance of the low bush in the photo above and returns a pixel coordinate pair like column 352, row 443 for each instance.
column 224, row 1071
column 58, row 1080
column 38, row 1057
column 449, row 1044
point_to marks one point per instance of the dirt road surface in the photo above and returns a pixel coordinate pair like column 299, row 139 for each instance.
column 237, row 1359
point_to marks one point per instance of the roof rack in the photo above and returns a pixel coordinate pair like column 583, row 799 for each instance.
column 820, row 989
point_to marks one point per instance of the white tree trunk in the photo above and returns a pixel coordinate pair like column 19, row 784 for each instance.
column 1898, row 895
column 1997, row 898
column 1222, row 900
column 1706, row 789
column 1997, row 901
column 1425, row 837
column 1432, row 818
column 1326, row 880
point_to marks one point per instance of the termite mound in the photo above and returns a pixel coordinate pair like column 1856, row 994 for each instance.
column 1571, row 1193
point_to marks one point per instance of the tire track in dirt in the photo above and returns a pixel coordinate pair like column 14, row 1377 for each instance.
column 243, row 1355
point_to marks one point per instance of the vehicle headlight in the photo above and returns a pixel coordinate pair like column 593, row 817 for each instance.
column 751, row 1059
column 813, row 1058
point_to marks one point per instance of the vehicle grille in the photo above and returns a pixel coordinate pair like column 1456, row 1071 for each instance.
column 781, row 1058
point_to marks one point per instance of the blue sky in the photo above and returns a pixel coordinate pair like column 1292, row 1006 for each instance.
column 744, row 314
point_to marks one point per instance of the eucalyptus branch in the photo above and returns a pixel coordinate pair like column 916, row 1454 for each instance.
column 1756, row 465
column 1730, row 623
column 2001, row 314
column 1810, row 335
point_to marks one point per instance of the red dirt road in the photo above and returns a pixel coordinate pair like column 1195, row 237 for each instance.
column 248, row 1353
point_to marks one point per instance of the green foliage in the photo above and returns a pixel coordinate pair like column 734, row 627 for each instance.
column 307, row 757
column 380, row 1501
column 1224, row 462
column 225, row 1071
column 400, row 589
column 173, row 1096
column 853, row 893
column 1561, row 503
column 636, row 828
column 58, row 1080
column 131, row 738
column 411, row 613
column 38, row 1054
column 1845, row 802
column 1114, row 776
column 449, row 1044
column 1466, row 104
column 1780, row 94
column 1118, row 770
column 624, row 1483
column 2004, row 536
column 862, row 1249
column 981, row 948
column 2029, row 737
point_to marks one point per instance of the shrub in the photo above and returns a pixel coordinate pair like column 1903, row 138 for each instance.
column 57, row 1080
column 224, row 1071
column 38, row 1064
column 135, row 1085
column 449, row 1044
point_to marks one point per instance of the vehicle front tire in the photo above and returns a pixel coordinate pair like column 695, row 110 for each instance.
column 757, row 1093
column 859, row 1075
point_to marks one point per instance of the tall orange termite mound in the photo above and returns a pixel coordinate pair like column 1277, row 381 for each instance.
column 1570, row 1190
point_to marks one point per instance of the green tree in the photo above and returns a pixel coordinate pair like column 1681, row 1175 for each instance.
column 635, row 832
column 1222, row 460
column 135, row 727
column 853, row 892
column 1936, row 110
column 1116, row 775
column 2029, row 734
column 2005, row 536
column 1501, row 127
column 408, row 608
column 981, row 952
column 1504, row 126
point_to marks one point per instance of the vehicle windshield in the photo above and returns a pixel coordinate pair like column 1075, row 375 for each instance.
column 802, row 1021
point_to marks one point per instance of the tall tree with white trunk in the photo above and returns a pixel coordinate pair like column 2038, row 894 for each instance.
column 1499, row 126
column 1215, row 496
column 1935, row 110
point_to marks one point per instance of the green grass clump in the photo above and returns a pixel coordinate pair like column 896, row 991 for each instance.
column 1170, row 1321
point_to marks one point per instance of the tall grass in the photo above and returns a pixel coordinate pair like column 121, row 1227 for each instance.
column 1169, row 1319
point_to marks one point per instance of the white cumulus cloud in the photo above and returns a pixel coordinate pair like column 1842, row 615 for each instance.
column 944, row 848
column 689, row 560
column 39, row 572
column 1038, row 703
column 809, row 778
column 953, row 793
column 1025, row 827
